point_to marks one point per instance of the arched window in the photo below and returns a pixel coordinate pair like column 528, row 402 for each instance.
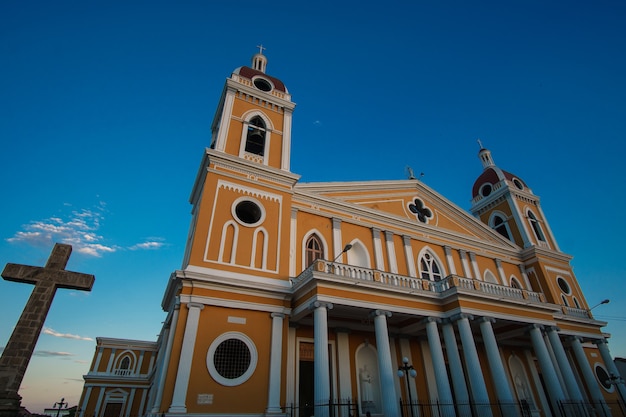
column 500, row 226
column 255, row 139
column 429, row 268
column 125, row 363
column 534, row 223
column 314, row 249
column 515, row 283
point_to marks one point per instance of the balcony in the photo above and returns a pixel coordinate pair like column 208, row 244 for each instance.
column 450, row 284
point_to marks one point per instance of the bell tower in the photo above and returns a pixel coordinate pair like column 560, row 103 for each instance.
column 253, row 118
column 504, row 202
column 242, row 193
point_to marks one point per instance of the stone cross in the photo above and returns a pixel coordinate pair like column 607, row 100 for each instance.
column 20, row 346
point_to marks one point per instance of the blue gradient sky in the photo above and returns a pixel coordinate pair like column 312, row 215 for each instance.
column 105, row 110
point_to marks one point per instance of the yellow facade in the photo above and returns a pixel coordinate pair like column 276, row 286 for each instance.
column 297, row 297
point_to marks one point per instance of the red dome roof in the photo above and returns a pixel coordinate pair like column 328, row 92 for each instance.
column 493, row 175
column 250, row 73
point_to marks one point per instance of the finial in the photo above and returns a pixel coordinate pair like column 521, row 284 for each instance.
column 261, row 48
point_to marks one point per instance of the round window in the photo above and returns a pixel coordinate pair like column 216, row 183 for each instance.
column 563, row 285
column 603, row 378
column 248, row 212
column 485, row 190
column 262, row 84
column 518, row 183
column 232, row 359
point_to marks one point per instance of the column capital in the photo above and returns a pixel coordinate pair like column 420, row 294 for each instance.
column 552, row 329
column 601, row 341
column 277, row 315
column 486, row 319
column 191, row 305
column 498, row 263
column 380, row 313
column 431, row 320
column 319, row 304
column 535, row 326
column 461, row 316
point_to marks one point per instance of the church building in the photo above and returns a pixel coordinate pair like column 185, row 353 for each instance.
column 377, row 298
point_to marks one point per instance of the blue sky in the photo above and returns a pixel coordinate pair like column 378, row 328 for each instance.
column 105, row 110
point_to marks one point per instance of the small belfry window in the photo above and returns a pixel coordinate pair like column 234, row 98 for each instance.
column 314, row 250
column 534, row 223
column 429, row 269
column 255, row 139
column 499, row 225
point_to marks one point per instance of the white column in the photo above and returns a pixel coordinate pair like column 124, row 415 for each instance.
column 276, row 351
column 343, row 363
column 321, row 383
column 184, row 362
column 285, row 163
column 439, row 364
column 589, row 377
column 290, row 380
column 603, row 346
column 500, row 380
column 220, row 141
column 292, row 243
column 547, row 369
column 456, row 370
column 156, row 406
column 385, row 368
column 478, row 388
column 503, row 278
column 566, row 369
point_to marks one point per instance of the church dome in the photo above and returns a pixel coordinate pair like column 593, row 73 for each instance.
column 261, row 80
column 492, row 177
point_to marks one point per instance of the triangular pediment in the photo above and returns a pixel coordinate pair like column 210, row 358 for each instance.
column 410, row 202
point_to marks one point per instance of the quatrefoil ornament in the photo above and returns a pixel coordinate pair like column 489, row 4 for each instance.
column 421, row 212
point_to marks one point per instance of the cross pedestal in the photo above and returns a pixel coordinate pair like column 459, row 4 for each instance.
column 21, row 344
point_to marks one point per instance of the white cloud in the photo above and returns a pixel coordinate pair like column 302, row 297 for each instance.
column 147, row 245
column 79, row 229
column 51, row 332
column 48, row 353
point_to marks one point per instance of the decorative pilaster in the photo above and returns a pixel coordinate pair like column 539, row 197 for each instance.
column 391, row 252
column 378, row 249
column 343, row 363
column 475, row 269
column 321, row 384
column 474, row 370
column 389, row 396
column 449, row 261
column 439, row 365
column 273, row 392
column 186, row 355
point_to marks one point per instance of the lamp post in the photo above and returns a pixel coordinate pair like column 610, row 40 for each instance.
column 605, row 301
column 344, row 250
column 61, row 405
column 409, row 371
column 617, row 380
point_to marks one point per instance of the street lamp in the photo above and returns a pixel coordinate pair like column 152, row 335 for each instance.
column 407, row 370
column 605, row 301
column 61, row 405
column 345, row 249
column 616, row 380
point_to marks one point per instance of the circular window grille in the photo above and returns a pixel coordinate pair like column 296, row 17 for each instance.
column 563, row 285
column 603, row 378
column 248, row 212
column 232, row 359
